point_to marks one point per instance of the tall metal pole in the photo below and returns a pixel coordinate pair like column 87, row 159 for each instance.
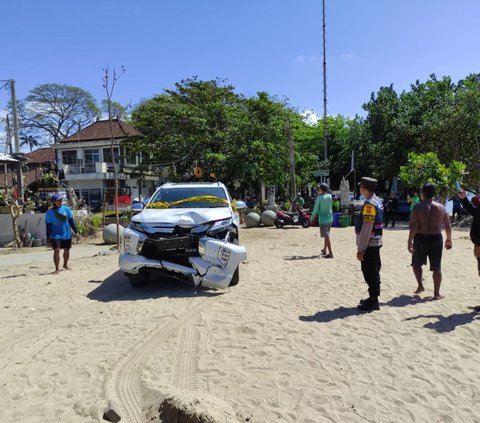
column 16, row 137
column 325, row 127
column 15, row 117
column 291, row 151
column 9, row 136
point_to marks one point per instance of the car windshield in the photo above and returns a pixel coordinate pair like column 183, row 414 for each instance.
column 195, row 197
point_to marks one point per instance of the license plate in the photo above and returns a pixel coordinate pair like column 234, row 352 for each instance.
column 167, row 244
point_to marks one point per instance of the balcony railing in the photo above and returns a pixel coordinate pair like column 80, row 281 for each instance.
column 80, row 168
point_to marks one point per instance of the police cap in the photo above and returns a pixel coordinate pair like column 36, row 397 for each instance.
column 369, row 183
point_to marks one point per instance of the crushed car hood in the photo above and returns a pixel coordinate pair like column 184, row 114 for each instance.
column 183, row 217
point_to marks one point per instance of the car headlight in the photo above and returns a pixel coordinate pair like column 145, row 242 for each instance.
column 220, row 226
column 136, row 226
column 133, row 242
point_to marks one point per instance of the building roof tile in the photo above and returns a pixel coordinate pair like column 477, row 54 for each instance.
column 100, row 130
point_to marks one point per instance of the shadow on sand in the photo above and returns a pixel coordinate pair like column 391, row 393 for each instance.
column 447, row 323
column 302, row 257
column 343, row 312
column 326, row 316
column 406, row 300
column 117, row 288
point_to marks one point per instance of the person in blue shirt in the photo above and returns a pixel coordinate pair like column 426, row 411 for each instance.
column 60, row 223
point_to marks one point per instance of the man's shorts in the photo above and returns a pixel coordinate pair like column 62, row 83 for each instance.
column 325, row 230
column 431, row 246
column 61, row 243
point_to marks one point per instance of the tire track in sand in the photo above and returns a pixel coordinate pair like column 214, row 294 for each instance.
column 123, row 382
column 39, row 336
column 185, row 365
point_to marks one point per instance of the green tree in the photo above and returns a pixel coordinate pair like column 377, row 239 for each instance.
column 239, row 139
column 55, row 110
column 426, row 167
column 116, row 109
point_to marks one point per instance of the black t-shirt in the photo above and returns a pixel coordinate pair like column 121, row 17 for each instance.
column 392, row 204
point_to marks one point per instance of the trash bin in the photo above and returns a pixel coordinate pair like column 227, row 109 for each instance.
column 336, row 217
column 345, row 220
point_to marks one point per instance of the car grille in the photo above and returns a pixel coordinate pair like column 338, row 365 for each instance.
column 172, row 247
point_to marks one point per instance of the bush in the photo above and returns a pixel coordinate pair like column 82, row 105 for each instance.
column 89, row 225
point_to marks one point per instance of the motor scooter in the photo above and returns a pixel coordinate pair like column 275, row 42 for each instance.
column 298, row 217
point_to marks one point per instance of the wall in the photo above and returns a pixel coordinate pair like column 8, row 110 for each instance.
column 35, row 225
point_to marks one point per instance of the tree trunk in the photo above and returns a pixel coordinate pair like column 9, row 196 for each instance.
column 14, row 213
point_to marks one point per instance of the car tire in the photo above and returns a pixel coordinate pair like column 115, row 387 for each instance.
column 138, row 280
column 236, row 277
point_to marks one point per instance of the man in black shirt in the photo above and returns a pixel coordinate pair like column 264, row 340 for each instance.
column 391, row 209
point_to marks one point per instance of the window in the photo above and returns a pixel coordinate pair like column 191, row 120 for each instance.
column 130, row 156
column 69, row 157
column 91, row 157
column 107, row 155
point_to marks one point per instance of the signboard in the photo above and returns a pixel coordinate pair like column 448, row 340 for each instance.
column 321, row 172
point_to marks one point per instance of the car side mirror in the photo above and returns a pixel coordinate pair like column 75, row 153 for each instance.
column 137, row 208
column 240, row 205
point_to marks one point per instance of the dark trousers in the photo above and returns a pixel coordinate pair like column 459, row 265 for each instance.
column 371, row 265
column 478, row 262
column 390, row 215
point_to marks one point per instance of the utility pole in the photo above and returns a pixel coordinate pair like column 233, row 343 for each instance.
column 288, row 132
column 9, row 137
column 16, row 138
column 325, row 127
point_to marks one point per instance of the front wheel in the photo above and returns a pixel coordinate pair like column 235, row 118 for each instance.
column 235, row 277
column 305, row 223
column 278, row 223
column 138, row 280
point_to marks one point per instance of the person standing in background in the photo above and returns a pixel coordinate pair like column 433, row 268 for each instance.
column 323, row 209
column 60, row 223
column 413, row 200
column 391, row 209
column 298, row 202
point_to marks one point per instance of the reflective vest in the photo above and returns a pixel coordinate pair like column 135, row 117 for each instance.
column 372, row 210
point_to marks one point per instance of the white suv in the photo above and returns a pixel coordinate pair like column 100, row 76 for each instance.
column 187, row 229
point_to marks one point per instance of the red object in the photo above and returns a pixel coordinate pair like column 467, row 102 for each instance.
column 124, row 200
column 476, row 200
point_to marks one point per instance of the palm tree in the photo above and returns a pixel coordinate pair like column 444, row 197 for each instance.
column 30, row 141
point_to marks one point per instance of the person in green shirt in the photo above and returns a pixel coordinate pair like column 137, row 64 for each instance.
column 323, row 208
column 413, row 200
column 298, row 202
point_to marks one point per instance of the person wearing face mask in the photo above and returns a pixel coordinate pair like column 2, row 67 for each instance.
column 369, row 230
column 60, row 224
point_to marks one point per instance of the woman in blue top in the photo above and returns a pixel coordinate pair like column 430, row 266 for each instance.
column 59, row 221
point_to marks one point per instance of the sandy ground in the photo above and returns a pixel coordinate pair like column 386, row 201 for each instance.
column 285, row 345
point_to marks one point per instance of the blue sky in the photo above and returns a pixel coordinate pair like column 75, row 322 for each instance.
column 257, row 45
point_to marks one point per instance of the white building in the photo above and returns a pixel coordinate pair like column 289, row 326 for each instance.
column 85, row 164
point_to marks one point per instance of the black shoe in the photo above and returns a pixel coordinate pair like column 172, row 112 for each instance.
column 369, row 304
column 364, row 301
column 476, row 309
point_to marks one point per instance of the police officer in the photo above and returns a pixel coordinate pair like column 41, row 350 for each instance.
column 368, row 229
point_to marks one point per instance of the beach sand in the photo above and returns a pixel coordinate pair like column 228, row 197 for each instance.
column 285, row 345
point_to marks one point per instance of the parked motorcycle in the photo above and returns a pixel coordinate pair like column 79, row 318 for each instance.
column 292, row 218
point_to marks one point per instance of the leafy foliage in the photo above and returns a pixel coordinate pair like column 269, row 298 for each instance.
column 426, row 167
column 55, row 110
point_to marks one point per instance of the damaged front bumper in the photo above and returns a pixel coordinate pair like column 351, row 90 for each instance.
column 207, row 261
